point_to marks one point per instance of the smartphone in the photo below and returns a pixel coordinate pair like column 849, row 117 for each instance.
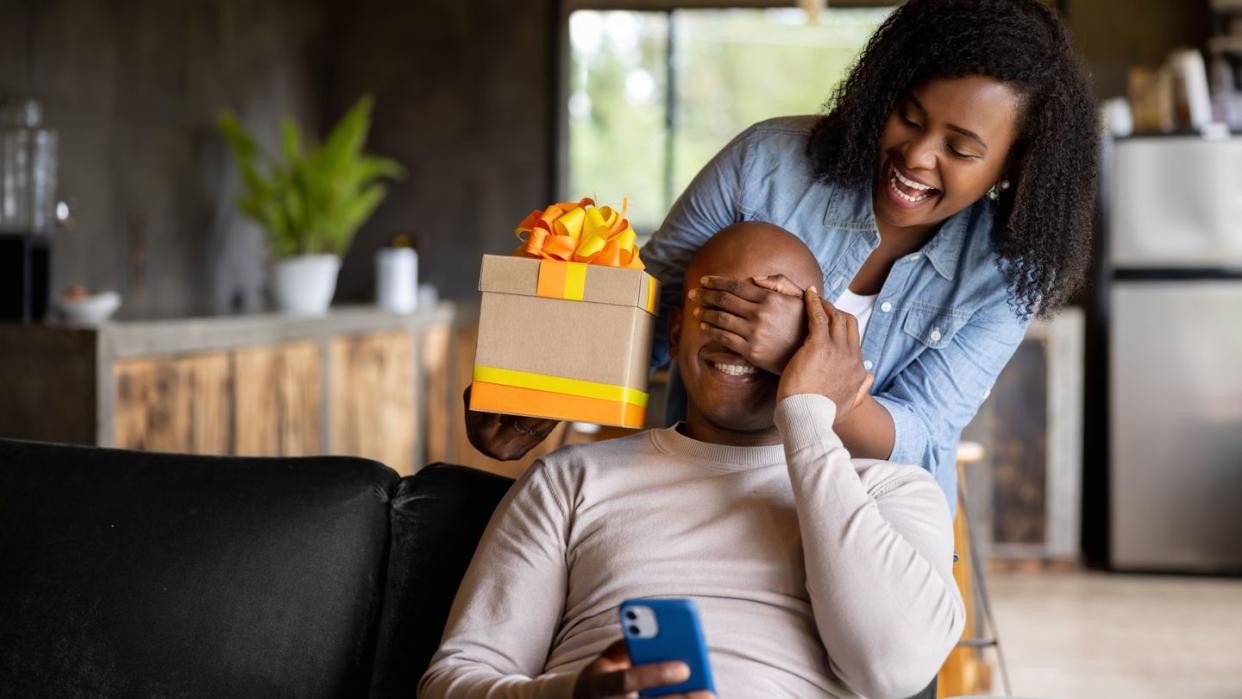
column 659, row 630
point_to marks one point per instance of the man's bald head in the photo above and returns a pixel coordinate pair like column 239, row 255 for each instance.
column 726, row 395
column 754, row 249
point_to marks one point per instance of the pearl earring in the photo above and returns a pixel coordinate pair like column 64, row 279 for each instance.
column 994, row 192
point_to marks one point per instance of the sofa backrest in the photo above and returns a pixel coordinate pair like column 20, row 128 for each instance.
column 438, row 516
column 130, row 573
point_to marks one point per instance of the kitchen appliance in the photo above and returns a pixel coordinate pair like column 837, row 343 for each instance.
column 28, row 210
column 1174, row 295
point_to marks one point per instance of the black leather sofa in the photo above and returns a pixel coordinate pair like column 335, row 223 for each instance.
column 140, row 574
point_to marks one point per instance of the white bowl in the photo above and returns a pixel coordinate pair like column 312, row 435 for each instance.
column 90, row 310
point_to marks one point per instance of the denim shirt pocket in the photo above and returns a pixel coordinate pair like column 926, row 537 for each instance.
column 932, row 327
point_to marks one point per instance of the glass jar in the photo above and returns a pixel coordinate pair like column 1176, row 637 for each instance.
column 27, row 169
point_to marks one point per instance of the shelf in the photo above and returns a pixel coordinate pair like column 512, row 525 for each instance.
column 1225, row 43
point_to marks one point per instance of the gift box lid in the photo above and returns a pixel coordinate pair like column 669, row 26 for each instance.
column 576, row 281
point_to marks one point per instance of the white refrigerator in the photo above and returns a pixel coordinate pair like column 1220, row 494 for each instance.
column 1175, row 354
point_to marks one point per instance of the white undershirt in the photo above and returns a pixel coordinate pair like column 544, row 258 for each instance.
column 858, row 306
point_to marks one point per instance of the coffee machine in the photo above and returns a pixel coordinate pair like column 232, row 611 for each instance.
column 28, row 211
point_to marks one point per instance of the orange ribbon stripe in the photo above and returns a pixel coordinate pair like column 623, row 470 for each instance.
column 515, row 400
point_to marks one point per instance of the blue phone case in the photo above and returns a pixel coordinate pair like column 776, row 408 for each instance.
column 676, row 636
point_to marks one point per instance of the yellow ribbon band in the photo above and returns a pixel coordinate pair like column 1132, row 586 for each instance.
column 560, row 384
column 561, row 280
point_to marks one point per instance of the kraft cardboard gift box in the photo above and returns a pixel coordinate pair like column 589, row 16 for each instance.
column 564, row 340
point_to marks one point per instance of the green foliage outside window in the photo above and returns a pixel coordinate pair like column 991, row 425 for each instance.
column 730, row 69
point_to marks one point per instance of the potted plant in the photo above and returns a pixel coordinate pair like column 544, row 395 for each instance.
column 311, row 200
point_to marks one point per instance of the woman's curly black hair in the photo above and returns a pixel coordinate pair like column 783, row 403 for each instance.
column 1042, row 229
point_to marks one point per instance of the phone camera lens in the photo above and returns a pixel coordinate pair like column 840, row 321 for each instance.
column 634, row 630
column 630, row 614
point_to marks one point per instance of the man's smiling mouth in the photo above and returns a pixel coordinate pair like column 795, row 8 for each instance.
column 730, row 368
column 738, row 367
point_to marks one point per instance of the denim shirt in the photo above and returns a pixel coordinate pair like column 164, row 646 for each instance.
column 942, row 328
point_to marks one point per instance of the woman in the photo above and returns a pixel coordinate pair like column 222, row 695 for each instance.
column 947, row 194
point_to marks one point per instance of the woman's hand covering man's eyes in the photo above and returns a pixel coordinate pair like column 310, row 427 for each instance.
column 762, row 320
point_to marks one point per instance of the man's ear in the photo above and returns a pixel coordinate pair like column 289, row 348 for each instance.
column 674, row 331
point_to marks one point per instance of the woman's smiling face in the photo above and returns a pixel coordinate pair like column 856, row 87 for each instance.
column 942, row 148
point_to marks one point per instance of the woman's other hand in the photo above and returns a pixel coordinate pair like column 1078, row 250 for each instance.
column 504, row 437
column 829, row 362
column 611, row 675
column 759, row 319
column 780, row 284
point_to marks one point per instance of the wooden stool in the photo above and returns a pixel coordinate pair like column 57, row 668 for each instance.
column 965, row 671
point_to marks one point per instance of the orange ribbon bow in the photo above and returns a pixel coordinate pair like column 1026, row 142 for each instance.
column 580, row 232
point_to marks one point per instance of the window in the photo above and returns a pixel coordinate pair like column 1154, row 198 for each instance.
column 652, row 96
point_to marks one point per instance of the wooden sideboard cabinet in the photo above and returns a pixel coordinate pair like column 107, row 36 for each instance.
column 355, row 381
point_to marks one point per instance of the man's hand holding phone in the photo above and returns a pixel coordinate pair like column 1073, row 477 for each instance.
column 613, row 675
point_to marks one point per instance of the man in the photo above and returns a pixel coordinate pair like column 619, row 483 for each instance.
column 815, row 575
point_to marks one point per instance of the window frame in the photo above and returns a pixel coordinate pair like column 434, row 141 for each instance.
column 559, row 170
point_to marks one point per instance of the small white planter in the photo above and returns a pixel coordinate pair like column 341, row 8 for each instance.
column 304, row 285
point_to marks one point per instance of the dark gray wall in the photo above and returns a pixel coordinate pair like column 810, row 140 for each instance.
column 1113, row 35
column 133, row 87
column 463, row 92
column 463, row 101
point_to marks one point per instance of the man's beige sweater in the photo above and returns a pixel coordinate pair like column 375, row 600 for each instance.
column 815, row 575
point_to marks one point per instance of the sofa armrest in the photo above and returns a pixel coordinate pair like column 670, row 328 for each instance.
column 438, row 516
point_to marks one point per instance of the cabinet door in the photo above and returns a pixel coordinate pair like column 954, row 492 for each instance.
column 1175, row 402
column 175, row 403
column 278, row 400
column 372, row 407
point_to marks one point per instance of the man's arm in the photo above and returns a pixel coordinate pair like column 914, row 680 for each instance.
column 509, row 604
column 879, row 556
column 878, row 563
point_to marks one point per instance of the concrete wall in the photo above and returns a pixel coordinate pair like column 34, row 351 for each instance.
column 1113, row 35
column 133, row 87
column 463, row 100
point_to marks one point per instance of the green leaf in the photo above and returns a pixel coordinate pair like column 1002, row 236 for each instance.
column 344, row 142
column 313, row 198
column 243, row 146
column 290, row 140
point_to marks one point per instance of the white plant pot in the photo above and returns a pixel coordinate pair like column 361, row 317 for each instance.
column 304, row 284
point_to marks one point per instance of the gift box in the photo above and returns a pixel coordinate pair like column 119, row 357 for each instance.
column 561, row 338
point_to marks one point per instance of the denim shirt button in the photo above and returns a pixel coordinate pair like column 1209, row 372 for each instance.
column 935, row 335
column 868, row 364
column 886, row 307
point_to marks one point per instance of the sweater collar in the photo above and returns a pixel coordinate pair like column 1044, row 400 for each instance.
column 670, row 441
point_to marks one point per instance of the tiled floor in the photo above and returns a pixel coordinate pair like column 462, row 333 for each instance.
column 1100, row 636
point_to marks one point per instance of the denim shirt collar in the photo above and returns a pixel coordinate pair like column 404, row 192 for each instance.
column 852, row 209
